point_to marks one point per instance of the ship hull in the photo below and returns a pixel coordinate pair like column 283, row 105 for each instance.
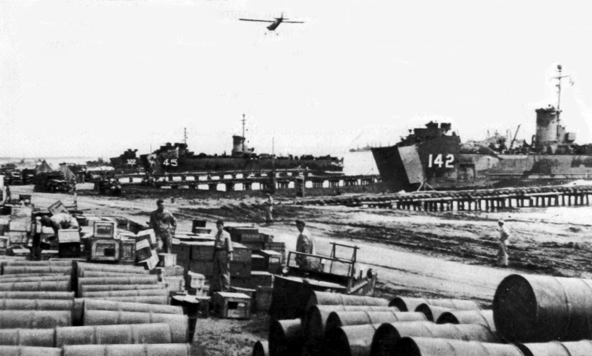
column 473, row 170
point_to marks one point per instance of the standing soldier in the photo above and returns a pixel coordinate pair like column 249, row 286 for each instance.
column 222, row 257
column 502, row 254
column 305, row 244
column 164, row 225
column 269, row 203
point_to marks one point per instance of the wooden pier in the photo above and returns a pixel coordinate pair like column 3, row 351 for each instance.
column 476, row 200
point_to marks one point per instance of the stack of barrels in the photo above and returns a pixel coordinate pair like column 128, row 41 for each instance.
column 531, row 316
column 40, row 314
column 337, row 324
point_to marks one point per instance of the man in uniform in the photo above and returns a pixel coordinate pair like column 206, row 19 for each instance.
column 502, row 254
column 164, row 225
column 269, row 203
column 222, row 257
column 60, row 221
column 305, row 244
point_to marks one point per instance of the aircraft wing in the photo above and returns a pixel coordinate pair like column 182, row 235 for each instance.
column 292, row 21
column 257, row 20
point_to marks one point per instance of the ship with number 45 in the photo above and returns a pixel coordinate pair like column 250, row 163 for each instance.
column 434, row 157
column 177, row 158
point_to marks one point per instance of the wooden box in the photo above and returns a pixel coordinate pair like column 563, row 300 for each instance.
column 241, row 253
column 167, row 259
column 17, row 237
column 264, row 279
column 258, row 263
column 195, row 281
column 273, row 261
column 240, row 269
column 232, row 305
column 143, row 250
column 127, row 251
column 254, row 246
column 68, row 236
column 104, row 250
column 19, row 224
column 174, row 283
column 183, row 253
column 57, row 208
column 4, row 242
column 247, row 291
column 250, row 237
column 263, row 298
column 46, row 255
column 202, row 251
column 104, row 229
column 201, row 231
column 172, row 271
column 202, row 267
column 69, row 250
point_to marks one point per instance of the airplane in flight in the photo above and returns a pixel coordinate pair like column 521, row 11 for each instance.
column 274, row 23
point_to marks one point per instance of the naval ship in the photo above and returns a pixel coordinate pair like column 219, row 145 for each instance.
column 434, row 157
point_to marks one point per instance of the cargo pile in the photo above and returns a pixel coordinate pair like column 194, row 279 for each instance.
column 75, row 308
column 531, row 316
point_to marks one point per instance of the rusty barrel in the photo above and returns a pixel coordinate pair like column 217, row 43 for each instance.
column 285, row 338
column 388, row 335
column 141, row 279
column 157, row 333
column 54, row 277
column 542, row 308
column 36, row 269
column 28, row 337
column 418, row 346
column 112, row 287
column 108, row 317
column 339, row 319
column 409, row 304
column 324, row 298
column 126, row 293
column 36, row 304
column 261, row 348
column 316, row 320
column 39, row 263
column 556, row 348
column 36, row 295
column 132, row 350
column 36, row 319
column 431, row 312
column 352, row 340
column 82, row 267
column 51, row 286
column 153, row 299
column 133, row 307
column 479, row 317
column 29, row 351
column 95, row 274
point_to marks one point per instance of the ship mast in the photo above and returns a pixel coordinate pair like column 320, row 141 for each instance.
column 244, row 120
column 185, row 136
column 558, row 85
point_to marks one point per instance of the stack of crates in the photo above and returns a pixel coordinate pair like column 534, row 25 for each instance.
column 201, row 259
column 103, row 245
column 19, row 225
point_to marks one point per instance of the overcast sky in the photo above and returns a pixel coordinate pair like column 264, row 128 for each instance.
column 93, row 78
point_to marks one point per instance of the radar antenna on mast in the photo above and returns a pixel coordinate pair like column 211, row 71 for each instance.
column 558, row 85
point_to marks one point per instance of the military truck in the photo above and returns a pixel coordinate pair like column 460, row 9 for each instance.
column 51, row 182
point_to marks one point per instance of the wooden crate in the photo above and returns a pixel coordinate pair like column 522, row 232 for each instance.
column 19, row 224
column 195, row 280
column 202, row 251
column 46, row 255
column 104, row 229
column 250, row 237
column 241, row 253
column 167, row 259
column 4, row 242
column 202, row 267
column 258, row 263
column 240, row 269
column 252, row 293
column 69, row 250
column 183, row 253
column 254, row 246
column 68, row 236
column 172, row 271
column 263, row 298
column 264, row 279
column 273, row 261
column 17, row 237
column 57, row 208
column 128, row 251
column 232, row 305
column 104, row 250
